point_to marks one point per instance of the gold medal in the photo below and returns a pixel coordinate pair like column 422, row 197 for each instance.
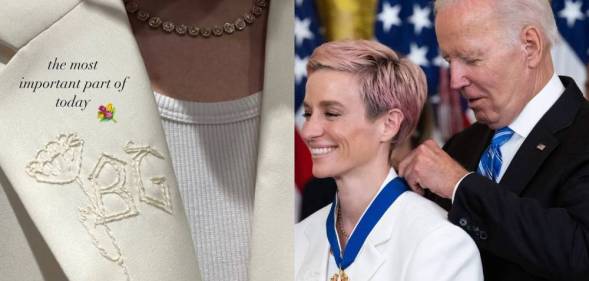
column 340, row 276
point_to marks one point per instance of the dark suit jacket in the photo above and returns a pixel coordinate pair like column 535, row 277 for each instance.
column 534, row 224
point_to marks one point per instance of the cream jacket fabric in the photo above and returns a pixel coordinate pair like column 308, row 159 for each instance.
column 88, row 200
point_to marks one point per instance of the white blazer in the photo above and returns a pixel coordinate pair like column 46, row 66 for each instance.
column 85, row 200
column 413, row 241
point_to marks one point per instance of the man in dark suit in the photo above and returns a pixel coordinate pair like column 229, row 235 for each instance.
column 518, row 180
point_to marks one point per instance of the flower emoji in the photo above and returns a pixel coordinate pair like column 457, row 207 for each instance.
column 106, row 113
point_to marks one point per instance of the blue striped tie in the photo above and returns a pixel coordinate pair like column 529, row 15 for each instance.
column 491, row 161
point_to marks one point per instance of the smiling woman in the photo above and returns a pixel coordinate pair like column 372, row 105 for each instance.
column 337, row 128
column 362, row 99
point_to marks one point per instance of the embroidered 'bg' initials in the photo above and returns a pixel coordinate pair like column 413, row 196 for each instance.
column 109, row 196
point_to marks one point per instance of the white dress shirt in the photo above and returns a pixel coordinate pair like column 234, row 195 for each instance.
column 523, row 124
column 528, row 118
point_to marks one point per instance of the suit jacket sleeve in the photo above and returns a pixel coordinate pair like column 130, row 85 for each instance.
column 551, row 242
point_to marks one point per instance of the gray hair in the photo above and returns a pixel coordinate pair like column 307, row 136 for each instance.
column 517, row 14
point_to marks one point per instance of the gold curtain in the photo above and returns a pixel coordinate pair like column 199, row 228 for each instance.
column 347, row 19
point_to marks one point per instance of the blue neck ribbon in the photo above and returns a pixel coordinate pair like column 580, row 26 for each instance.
column 384, row 199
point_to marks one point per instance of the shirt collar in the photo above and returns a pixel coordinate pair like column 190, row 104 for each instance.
column 537, row 107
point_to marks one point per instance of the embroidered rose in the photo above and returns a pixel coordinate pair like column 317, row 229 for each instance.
column 106, row 113
column 59, row 162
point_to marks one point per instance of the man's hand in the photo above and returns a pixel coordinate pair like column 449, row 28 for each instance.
column 429, row 167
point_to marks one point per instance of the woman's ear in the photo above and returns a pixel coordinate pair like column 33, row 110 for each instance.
column 391, row 124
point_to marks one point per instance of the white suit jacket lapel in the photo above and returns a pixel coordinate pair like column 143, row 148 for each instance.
column 314, row 267
column 102, row 194
column 369, row 260
column 272, row 230
column 371, row 257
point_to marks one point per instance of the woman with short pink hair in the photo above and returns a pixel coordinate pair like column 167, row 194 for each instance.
column 361, row 100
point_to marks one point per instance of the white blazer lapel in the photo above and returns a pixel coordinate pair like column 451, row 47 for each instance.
column 372, row 255
column 317, row 253
column 314, row 266
column 102, row 194
column 27, row 19
column 367, row 263
column 272, row 229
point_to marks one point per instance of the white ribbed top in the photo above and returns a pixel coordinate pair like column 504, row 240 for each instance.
column 213, row 147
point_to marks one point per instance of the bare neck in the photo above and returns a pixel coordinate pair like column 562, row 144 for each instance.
column 198, row 69
column 542, row 76
column 356, row 191
column 535, row 80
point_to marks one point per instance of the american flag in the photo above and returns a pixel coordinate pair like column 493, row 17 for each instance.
column 407, row 26
column 571, row 53
column 307, row 38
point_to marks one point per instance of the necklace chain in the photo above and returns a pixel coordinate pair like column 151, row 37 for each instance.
column 339, row 224
column 168, row 26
